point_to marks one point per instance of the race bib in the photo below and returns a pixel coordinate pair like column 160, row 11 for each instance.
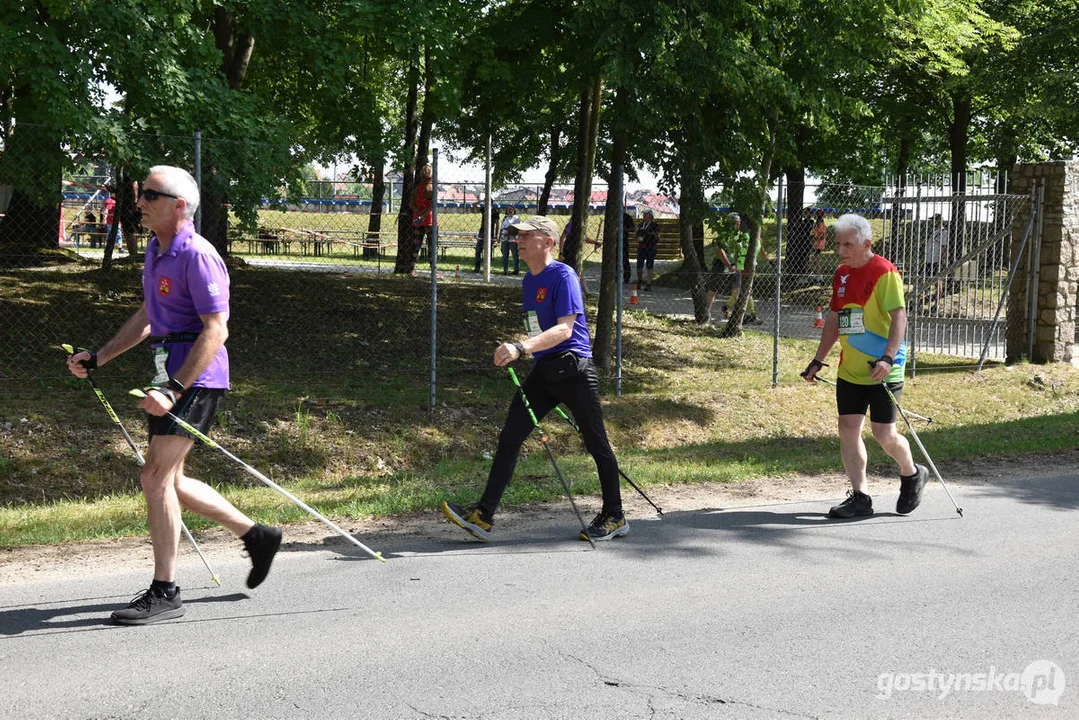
column 161, row 360
column 532, row 325
column 851, row 321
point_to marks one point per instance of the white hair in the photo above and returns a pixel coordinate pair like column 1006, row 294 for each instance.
column 179, row 182
column 857, row 223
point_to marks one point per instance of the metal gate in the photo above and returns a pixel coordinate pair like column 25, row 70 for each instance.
column 952, row 246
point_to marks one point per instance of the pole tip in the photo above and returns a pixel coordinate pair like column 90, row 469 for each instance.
column 217, row 580
column 960, row 511
column 378, row 556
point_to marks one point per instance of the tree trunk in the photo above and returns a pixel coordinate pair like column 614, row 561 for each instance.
column 235, row 50
column 427, row 115
column 374, row 220
column 737, row 312
column 582, row 185
column 405, row 249
column 32, row 163
column 215, row 220
column 552, row 169
column 958, row 136
column 799, row 244
column 128, row 212
column 691, row 206
column 902, row 167
column 611, row 273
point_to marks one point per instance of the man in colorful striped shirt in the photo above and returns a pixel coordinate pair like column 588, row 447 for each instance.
column 868, row 317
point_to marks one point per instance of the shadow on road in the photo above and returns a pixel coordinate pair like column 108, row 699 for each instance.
column 48, row 618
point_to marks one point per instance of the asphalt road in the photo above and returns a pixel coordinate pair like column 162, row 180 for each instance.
column 758, row 612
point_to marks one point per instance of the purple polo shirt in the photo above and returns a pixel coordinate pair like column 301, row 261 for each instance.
column 187, row 280
column 556, row 292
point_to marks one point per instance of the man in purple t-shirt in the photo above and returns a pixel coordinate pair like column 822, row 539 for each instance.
column 185, row 313
column 557, row 337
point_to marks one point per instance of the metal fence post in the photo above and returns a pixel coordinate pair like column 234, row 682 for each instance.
column 488, row 215
column 434, row 275
column 198, row 178
column 619, row 180
column 780, row 207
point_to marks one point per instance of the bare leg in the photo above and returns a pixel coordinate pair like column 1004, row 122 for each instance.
column 200, row 498
column 852, row 449
column 164, row 461
column 895, row 445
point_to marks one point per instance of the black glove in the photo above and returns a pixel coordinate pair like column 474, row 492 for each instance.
column 813, row 367
column 173, row 389
column 885, row 358
column 90, row 364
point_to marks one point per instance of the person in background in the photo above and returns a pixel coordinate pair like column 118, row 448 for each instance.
column 647, row 246
column 509, row 242
column 820, row 239
column 481, row 237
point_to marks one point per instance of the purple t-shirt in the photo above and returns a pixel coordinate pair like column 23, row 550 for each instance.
column 187, row 280
column 556, row 292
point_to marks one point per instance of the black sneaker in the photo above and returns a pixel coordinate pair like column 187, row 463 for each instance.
column 856, row 505
column 605, row 527
column 150, row 607
column 910, row 490
column 754, row 320
column 726, row 311
column 261, row 543
column 471, row 519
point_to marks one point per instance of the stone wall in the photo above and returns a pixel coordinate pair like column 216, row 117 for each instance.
column 1055, row 241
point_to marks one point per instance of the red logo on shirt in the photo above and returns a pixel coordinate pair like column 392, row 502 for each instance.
column 164, row 287
column 541, row 293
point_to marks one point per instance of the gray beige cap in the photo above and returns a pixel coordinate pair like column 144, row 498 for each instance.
column 538, row 222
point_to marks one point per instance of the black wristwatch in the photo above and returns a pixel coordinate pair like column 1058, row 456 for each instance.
column 887, row 358
column 520, row 348
column 176, row 386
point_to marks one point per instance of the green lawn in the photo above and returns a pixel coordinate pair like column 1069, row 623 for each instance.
column 331, row 391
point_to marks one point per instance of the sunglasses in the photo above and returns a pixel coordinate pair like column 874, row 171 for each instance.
column 152, row 195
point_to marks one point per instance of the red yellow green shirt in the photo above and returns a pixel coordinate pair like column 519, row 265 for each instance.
column 863, row 297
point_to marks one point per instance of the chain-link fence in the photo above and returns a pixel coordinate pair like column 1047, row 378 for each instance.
column 336, row 266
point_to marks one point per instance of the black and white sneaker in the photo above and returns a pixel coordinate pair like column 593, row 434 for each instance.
column 152, row 606
column 605, row 527
column 910, row 490
column 856, row 505
column 261, row 543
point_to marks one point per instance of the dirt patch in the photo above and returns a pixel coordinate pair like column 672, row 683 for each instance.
column 38, row 563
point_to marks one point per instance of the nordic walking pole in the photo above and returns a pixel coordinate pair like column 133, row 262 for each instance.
column 546, row 446
column 138, row 456
column 921, row 447
column 265, row 480
column 916, row 416
column 625, row 477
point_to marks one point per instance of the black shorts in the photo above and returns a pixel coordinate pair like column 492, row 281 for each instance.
column 197, row 407
column 719, row 280
column 854, row 399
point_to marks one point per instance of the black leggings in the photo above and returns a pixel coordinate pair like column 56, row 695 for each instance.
column 581, row 395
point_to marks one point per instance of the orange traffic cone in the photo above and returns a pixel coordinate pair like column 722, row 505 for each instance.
column 633, row 296
column 819, row 322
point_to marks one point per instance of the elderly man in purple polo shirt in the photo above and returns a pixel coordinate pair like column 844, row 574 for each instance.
column 185, row 313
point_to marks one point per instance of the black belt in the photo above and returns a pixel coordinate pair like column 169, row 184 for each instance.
column 173, row 338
